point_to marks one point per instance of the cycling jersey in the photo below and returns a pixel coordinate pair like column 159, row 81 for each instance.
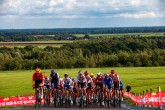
column 66, row 81
column 81, row 79
column 99, row 80
column 38, row 79
column 94, row 80
column 38, row 76
column 54, row 79
column 89, row 79
column 46, row 81
column 107, row 81
column 115, row 77
column 121, row 84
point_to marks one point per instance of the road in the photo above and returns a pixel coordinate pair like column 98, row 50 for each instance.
column 72, row 108
column 51, row 108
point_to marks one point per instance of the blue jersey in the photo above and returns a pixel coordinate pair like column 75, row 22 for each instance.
column 121, row 84
column 108, row 81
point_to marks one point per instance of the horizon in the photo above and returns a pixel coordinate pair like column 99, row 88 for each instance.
column 81, row 28
column 50, row 14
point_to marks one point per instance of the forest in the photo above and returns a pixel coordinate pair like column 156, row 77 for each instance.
column 126, row 51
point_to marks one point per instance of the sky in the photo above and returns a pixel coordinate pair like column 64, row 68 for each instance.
column 30, row 14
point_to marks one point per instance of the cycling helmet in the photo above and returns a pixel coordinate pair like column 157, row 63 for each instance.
column 37, row 70
column 80, row 73
column 92, row 74
column 105, row 75
column 53, row 71
column 45, row 76
column 86, row 73
column 99, row 74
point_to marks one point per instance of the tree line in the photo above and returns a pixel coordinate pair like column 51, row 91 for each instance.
column 68, row 33
column 103, row 52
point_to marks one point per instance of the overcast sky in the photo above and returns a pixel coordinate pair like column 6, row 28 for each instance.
column 80, row 13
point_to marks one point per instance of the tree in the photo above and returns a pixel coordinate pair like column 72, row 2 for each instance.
column 86, row 36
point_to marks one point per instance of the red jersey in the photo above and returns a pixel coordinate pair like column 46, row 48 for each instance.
column 74, row 84
column 115, row 77
column 38, row 76
column 99, row 80
column 94, row 80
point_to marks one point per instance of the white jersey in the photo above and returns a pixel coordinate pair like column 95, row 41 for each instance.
column 67, row 81
column 81, row 79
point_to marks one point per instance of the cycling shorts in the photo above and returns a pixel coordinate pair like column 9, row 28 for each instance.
column 109, row 86
column 81, row 85
column 116, row 85
column 100, row 85
column 121, row 88
column 89, row 85
column 74, row 90
column 47, row 86
column 67, row 87
column 54, row 85
column 37, row 83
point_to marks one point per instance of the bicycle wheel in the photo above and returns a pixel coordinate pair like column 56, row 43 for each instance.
column 114, row 98
column 100, row 99
column 81, row 99
column 60, row 99
column 108, row 100
column 36, row 101
column 55, row 98
column 119, row 100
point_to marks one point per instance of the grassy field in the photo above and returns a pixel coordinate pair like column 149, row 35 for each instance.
column 140, row 78
column 123, row 34
column 40, row 44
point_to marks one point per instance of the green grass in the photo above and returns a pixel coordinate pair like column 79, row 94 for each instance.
column 140, row 78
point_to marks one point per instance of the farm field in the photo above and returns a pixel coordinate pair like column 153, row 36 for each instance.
column 123, row 34
column 36, row 43
column 140, row 78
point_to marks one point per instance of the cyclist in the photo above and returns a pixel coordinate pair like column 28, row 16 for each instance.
column 93, row 79
column 107, row 81
column 89, row 88
column 99, row 83
column 46, row 82
column 74, row 85
column 89, row 79
column 116, row 80
column 55, row 81
column 38, row 80
column 81, row 83
column 121, row 88
column 67, row 86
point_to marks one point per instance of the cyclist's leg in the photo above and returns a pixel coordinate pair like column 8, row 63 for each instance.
column 79, row 86
column 105, row 90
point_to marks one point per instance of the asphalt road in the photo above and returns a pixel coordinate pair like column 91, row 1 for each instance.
column 51, row 108
column 72, row 108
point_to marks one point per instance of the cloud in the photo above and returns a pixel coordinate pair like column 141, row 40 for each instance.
column 81, row 8
column 139, row 15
